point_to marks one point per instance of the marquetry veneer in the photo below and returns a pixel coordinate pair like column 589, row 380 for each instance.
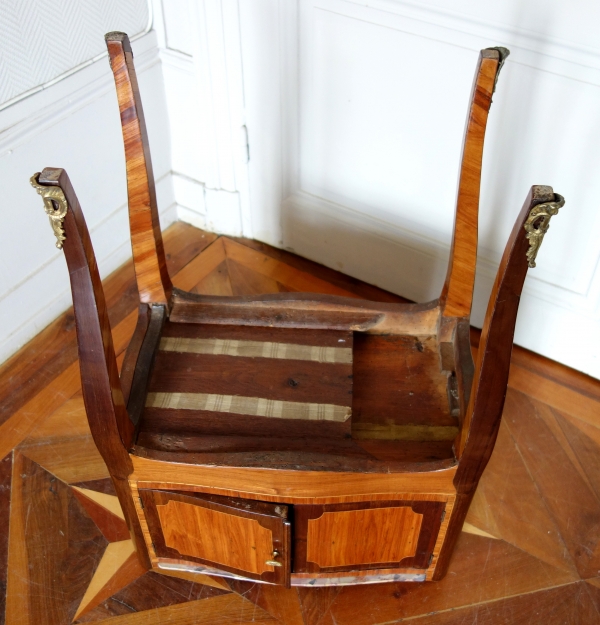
column 294, row 438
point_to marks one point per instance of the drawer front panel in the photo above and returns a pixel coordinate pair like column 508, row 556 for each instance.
column 371, row 535
column 249, row 538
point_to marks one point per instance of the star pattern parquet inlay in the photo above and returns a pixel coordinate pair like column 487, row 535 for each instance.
column 529, row 552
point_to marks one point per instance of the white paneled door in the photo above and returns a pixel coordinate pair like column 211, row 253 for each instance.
column 355, row 111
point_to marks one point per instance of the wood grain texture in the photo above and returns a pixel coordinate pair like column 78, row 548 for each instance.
column 243, row 333
column 72, row 460
column 107, row 500
column 283, row 380
column 113, row 526
column 105, row 407
column 145, row 362
column 483, row 570
column 290, row 486
column 54, row 548
column 132, row 353
column 520, row 575
column 347, row 283
column 35, row 382
column 523, row 519
column 5, row 488
column 154, row 283
column 569, row 496
column 218, row 537
column 149, row 593
column 306, row 310
column 457, row 293
column 213, row 610
column 243, row 536
column 110, row 425
column 363, row 537
column 50, row 398
column 286, row 458
column 119, row 567
column 391, row 536
column 552, row 606
column 197, row 431
column 398, row 382
column 480, row 427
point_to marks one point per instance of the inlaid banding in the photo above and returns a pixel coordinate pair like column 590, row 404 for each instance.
column 252, row 406
column 257, row 349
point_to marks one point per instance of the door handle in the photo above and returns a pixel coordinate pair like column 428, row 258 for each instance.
column 274, row 562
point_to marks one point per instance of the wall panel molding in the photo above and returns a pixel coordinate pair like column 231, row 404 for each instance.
column 541, row 124
column 544, row 51
column 41, row 47
column 74, row 124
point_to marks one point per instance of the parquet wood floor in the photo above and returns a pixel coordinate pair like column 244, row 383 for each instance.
column 529, row 552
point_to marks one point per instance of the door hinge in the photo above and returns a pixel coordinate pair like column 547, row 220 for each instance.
column 141, row 503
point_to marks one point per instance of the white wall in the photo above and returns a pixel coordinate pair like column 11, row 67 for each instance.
column 71, row 122
column 352, row 116
column 356, row 112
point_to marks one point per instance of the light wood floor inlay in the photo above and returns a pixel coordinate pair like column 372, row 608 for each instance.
column 528, row 554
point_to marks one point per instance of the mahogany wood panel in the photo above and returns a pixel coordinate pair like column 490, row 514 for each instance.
column 170, row 430
column 480, row 428
column 306, row 310
column 233, row 535
column 386, row 451
column 465, row 368
column 370, row 535
column 109, row 422
column 227, row 444
column 133, row 350
column 282, row 459
column 270, row 378
column 145, row 362
column 408, row 451
column 397, row 381
column 457, row 293
column 154, row 284
column 331, row 338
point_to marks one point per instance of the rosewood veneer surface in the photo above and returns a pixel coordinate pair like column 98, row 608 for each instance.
column 527, row 553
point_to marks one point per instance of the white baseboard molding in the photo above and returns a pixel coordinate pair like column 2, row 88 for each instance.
column 215, row 210
column 411, row 265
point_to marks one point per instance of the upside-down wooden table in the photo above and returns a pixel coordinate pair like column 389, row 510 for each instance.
column 294, row 438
